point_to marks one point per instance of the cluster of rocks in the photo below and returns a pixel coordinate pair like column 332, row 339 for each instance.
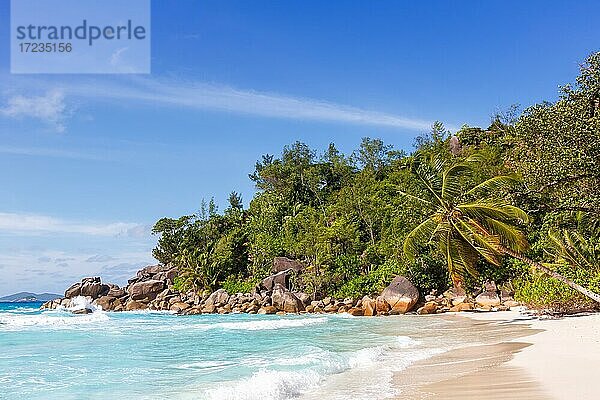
column 490, row 298
column 152, row 288
column 148, row 283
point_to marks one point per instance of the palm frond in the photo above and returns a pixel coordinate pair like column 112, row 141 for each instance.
column 417, row 198
column 493, row 185
column 420, row 236
column 462, row 258
column 493, row 209
column 572, row 248
column 451, row 187
column 484, row 244
column 509, row 235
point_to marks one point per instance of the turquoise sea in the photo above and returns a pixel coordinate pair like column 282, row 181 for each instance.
column 150, row 355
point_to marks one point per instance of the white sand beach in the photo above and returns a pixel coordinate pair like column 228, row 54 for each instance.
column 523, row 358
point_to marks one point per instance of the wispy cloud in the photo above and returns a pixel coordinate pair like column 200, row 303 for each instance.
column 115, row 57
column 43, row 270
column 32, row 224
column 99, row 258
column 197, row 95
column 48, row 152
column 49, row 108
column 206, row 96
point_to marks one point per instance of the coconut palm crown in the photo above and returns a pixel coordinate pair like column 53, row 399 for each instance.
column 468, row 221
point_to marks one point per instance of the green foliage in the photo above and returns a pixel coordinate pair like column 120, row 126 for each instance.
column 539, row 292
column 467, row 220
column 180, row 284
column 234, row 284
column 347, row 216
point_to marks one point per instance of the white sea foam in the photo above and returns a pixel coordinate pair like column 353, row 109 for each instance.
column 61, row 318
column 267, row 385
column 147, row 311
column 319, row 364
column 205, row 366
column 21, row 310
column 80, row 303
column 54, row 320
column 367, row 374
column 263, row 325
column 406, row 341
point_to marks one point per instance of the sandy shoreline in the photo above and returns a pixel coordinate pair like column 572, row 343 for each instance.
column 520, row 358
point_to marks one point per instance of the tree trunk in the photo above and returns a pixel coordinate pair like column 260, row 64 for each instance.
column 587, row 293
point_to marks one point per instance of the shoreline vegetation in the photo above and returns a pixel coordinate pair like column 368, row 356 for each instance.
column 480, row 219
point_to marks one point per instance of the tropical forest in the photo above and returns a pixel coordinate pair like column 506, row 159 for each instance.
column 516, row 202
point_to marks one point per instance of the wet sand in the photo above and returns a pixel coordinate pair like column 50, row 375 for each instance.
column 522, row 358
column 475, row 372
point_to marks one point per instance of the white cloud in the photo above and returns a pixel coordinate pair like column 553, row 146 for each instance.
column 115, row 58
column 49, row 108
column 100, row 258
column 44, row 271
column 205, row 96
column 48, row 152
column 32, row 224
column 197, row 95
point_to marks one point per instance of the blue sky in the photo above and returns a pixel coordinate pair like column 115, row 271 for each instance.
column 89, row 162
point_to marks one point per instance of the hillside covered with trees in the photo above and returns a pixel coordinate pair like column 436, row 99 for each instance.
column 462, row 208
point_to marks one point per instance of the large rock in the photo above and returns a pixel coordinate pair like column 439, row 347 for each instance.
column 511, row 303
column 291, row 303
column 381, row 306
column 105, row 302
column 209, row 309
column 277, row 296
column 93, row 288
column 285, row 264
column 149, row 271
column 369, row 306
column 146, row 290
column 401, row 295
column 133, row 305
column 304, row 298
column 115, row 291
column 488, row 299
column 84, row 310
column 286, row 301
column 461, row 307
column 456, row 295
column 429, row 308
column 73, row 291
column 356, row 312
column 179, row 306
column 217, row 298
column 281, row 278
column 267, row 310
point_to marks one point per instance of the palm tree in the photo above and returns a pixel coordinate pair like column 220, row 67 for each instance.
column 572, row 248
column 467, row 221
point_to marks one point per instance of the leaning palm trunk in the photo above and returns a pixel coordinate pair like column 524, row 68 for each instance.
column 587, row 293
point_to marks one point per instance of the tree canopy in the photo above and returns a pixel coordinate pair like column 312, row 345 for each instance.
column 346, row 216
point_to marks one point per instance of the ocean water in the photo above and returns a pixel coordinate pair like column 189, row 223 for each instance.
column 152, row 355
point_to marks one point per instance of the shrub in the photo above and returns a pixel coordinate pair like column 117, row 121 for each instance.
column 235, row 284
column 541, row 292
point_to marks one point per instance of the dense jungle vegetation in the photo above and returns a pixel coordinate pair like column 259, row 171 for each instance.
column 347, row 217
